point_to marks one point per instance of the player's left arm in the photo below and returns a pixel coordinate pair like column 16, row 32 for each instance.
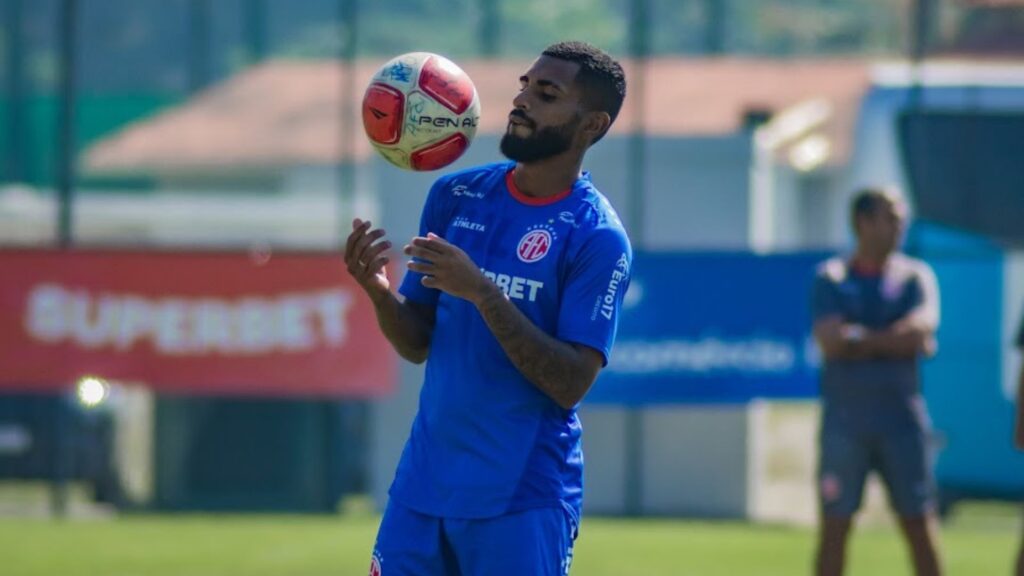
column 562, row 370
column 912, row 335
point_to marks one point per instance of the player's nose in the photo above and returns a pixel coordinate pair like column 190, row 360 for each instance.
column 520, row 101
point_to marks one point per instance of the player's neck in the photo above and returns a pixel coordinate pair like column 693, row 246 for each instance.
column 870, row 260
column 547, row 177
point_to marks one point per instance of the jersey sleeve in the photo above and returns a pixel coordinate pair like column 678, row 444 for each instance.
column 431, row 220
column 824, row 297
column 596, row 283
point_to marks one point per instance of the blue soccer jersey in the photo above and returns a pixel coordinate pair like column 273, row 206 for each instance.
column 486, row 441
column 877, row 394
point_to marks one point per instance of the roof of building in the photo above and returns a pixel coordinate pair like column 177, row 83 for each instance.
column 284, row 113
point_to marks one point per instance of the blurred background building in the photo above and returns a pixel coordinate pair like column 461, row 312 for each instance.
column 197, row 126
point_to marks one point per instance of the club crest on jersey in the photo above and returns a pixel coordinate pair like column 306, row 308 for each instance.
column 536, row 243
column 375, row 569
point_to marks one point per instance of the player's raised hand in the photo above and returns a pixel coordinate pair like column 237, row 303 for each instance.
column 446, row 267
column 366, row 259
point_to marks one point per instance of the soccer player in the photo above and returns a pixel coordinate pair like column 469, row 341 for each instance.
column 512, row 298
column 1018, row 436
column 875, row 315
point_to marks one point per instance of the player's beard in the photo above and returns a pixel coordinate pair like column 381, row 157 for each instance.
column 542, row 144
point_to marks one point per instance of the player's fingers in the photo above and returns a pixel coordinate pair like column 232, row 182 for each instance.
column 429, row 243
column 366, row 252
column 350, row 243
column 421, row 253
column 377, row 265
column 421, row 267
column 436, row 240
column 358, row 229
column 374, row 251
column 356, row 263
column 364, row 243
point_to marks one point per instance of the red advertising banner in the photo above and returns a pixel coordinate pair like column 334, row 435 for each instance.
column 292, row 324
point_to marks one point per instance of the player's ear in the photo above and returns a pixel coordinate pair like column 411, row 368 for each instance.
column 595, row 124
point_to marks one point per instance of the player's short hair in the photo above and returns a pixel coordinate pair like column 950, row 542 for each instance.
column 866, row 202
column 600, row 76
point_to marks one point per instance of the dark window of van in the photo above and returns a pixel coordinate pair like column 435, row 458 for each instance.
column 966, row 170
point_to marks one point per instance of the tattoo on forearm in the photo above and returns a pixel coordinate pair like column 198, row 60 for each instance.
column 550, row 364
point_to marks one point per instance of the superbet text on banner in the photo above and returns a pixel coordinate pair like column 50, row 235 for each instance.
column 197, row 322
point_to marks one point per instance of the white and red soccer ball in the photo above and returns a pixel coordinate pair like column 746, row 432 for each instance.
column 421, row 111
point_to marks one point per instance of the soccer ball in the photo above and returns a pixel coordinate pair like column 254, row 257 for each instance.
column 420, row 111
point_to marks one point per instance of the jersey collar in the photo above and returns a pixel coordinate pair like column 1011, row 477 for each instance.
column 510, row 182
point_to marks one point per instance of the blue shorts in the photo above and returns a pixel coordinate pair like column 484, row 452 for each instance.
column 903, row 460
column 537, row 541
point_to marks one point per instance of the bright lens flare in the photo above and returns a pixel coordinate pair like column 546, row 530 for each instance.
column 92, row 391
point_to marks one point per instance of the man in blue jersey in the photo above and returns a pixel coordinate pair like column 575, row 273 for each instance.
column 512, row 298
column 875, row 315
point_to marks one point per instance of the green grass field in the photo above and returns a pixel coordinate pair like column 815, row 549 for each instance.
column 980, row 541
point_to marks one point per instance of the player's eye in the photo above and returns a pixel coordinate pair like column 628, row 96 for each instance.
column 547, row 97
